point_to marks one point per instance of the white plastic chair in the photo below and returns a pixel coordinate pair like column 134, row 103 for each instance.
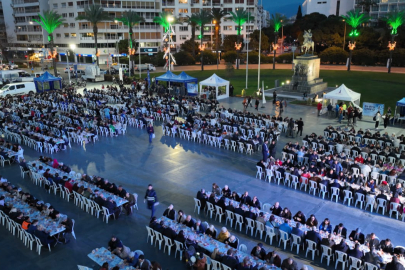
column 296, row 241
column 197, row 205
column 229, row 216
column 259, row 172
column 311, row 247
column 355, row 263
column 179, row 248
column 210, row 208
column 348, row 197
column 326, row 252
column 381, row 203
column 219, row 213
column 216, row 265
column 313, row 186
column 322, row 190
column 370, row 201
column 168, row 243
column 238, row 221
column 266, row 207
column 360, row 200
column 270, row 232
column 370, row 266
column 340, row 257
column 335, row 193
column 242, row 248
column 259, row 229
column 107, row 214
column 250, row 224
column 283, row 237
column 394, row 208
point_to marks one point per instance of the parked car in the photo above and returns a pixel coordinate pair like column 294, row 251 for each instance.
column 68, row 69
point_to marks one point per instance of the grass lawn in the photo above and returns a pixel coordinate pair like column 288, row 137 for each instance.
column 374, row 87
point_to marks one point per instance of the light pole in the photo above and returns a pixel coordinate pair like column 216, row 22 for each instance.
column 67, row 64
column 139, row 48
column 282, row 37
column 391, row 47
column 216, row 41
column 247, row 58
column 293, row 47
column 260, row 46
column 351, row 48
column 73, row 47
column 344, row 36
column 275, row 46
column 170, row 20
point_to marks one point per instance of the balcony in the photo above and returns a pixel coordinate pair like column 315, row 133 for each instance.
column 166, row 3
column 111, row 6
column 24, row 3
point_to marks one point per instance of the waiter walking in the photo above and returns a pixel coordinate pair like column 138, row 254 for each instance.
column 151, row 199
column 265, row 151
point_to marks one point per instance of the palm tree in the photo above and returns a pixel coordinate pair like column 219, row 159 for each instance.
column 276, row 21
column 193, row 23
column 49, row 21
column 240, row 17
column 94, row 14
column 354, row 19
column 202, row 18
column 130, row 19
column 367, row 5
column 163, row 21
column 394, row 20
column 217, row 15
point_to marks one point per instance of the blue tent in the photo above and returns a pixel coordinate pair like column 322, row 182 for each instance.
column 47, row 82
column 401, row 105
column 184, row 78
column 167, row 77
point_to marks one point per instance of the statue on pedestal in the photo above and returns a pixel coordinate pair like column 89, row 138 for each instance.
column 308, row 43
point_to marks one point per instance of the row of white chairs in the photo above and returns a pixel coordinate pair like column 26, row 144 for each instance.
column 16, row 229
column 280, row 236
column 292, row 181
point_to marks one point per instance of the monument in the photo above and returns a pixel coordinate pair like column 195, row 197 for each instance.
column 306, row 70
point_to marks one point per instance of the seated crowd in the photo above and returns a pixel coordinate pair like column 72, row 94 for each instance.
column 281, row 219
column 11, row 194
column 73, row 184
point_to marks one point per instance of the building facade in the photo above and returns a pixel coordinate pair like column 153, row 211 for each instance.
column 28, row 35
column 327, row 7
column 382, row 8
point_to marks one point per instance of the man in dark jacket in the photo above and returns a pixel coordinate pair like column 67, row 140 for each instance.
column 258, row 251
column 112, row 207
column 151, row 199
column 356, row 253
column 357, row 235
column 289, row 264
column 230, row 260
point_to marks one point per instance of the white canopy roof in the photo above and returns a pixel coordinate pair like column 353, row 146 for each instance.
column 214, row 80
column 343, row 93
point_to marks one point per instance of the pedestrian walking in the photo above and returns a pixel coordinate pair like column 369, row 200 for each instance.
column 244, row 103
column 265, row 151
column 257, row 104
column 274, row 97
column 249, row 101
column 151, row 132
column 319, row 107
column 340, row 116
column 151, row 199
column 337, row 110
column 300, row 124
column 355, row 115
column 377, row 118
column 386, row 120
column 290, row 128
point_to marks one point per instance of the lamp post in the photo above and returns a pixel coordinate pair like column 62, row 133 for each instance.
column 344, row 35
column 247, row 58
column 139, row 49
column 73, row 47
column 170, row 19
column 351, row 46
column 275, row 47
column 260, row 46
column 293, row 47
column 238, row 46
column 282, row 37
column 67, row 64
column 391, row 48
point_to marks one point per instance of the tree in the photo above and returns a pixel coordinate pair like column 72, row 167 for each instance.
column 190, row 46
column 123, row 45
column 49, row 21
column 130, row 19
column 254, row 41
column 355, row 19
column 229, row 43
column 395, row 20
column 367, row 5
column 94, row 14
column 299, row 13
column 276, row 21
column 162, row 20
column 202, row 18
column 240, row 17
column 192, row 21
column 217, row 15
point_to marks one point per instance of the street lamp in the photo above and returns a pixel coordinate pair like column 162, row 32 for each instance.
column 282, row 37
column 351, row 46
column 344, row 35
column 170, row 19
column 73, row 47
column 293, row 48
column 391, row 48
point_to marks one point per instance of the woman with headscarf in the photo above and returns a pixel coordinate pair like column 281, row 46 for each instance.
column 55, row 164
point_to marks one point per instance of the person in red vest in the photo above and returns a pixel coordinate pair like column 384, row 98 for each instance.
column 319, row 107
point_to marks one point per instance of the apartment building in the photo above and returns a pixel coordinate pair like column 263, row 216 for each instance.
column 184, row 8
column 382, row 8
column 28, row 35
column 327, row 7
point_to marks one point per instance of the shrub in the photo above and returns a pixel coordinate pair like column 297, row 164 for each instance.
column 334, row 55
column 108, row 77
column 184, row 58
column 209, row 57
column 229, row 57
column 285, row 58
column 363, row 57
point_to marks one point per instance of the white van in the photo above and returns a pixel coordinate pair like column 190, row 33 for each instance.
column 9, row 75
column 145, row 67
column 17, row 89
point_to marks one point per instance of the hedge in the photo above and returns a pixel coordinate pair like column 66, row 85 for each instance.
column 334, row 55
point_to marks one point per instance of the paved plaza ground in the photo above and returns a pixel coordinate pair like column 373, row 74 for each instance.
column 177, row 168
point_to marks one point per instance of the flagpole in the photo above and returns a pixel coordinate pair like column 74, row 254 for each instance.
column 260, row 48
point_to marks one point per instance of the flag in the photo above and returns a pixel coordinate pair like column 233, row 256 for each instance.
column 148, row 79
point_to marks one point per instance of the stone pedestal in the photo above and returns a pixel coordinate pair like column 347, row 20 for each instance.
column 306, row 75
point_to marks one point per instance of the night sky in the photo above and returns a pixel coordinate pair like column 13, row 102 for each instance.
column 287, row 7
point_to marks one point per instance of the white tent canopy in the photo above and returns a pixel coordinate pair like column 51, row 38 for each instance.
column 343, row 93
column 216, row 82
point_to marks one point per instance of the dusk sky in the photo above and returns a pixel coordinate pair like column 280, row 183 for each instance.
column 287, row 7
